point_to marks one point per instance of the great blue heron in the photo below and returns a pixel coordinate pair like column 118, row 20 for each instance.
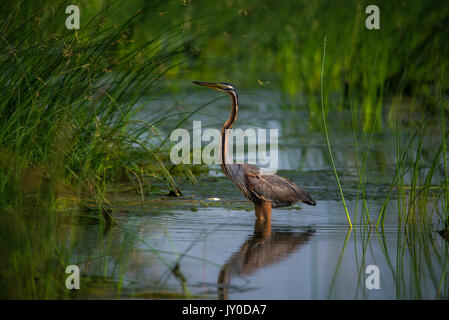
column 264, row 190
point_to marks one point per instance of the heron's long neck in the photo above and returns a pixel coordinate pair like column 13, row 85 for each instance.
column 225, row 157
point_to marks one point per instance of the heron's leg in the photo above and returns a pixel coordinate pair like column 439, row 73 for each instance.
column 263, row 210
column 262, row 229
column 223, row 283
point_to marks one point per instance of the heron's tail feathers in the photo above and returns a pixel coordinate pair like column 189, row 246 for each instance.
column 305, row 197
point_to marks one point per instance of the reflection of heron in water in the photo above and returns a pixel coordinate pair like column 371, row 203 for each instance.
column 264, row 190
column 262, row 249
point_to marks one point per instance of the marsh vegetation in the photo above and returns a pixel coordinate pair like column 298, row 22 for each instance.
column 85, row 174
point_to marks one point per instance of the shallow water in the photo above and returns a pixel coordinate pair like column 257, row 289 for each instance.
column 207, row 244
column 306, row 254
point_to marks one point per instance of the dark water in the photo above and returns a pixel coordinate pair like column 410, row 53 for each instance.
column 207, row 243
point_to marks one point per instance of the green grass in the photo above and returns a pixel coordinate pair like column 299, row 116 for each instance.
column 68, row 104
column 234, row 44
column 419, row 181
column 68, row 133
column 327, row 137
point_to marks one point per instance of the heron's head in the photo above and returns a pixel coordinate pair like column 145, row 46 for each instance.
column 223, row 87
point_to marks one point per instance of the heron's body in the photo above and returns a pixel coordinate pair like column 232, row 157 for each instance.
column 262, row 189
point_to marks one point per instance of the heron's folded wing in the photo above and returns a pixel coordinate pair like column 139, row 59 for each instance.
column 275, row 188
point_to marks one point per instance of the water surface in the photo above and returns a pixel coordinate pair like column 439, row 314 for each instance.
column 207, row 243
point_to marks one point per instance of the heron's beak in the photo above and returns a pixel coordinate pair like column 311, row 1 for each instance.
column 213, row 85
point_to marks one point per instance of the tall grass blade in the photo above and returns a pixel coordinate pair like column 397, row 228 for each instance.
column 327, row 136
